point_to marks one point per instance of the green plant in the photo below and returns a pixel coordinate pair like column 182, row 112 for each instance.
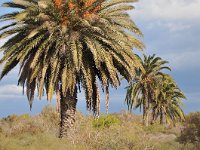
column 24, row 116
column 106, row 121
column 155, row 92
column 141, row 90
column 168, row 101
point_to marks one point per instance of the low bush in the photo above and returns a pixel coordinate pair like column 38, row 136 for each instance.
column 106, row 121
column 155, row 128
column 191, row 130
column 1, row 130
column 49, row 114
column 11, row 118
column 115, row 131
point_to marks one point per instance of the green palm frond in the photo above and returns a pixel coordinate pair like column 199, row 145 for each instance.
column 146, row 80
column 70, row 45
column 154, row 90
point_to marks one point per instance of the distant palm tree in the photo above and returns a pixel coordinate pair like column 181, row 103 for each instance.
column 168, row 102
column 63, row 45
column 141, row 91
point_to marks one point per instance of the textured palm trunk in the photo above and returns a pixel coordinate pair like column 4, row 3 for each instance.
column 154, row 117
column 145, row 109
column 153, row 121
column 58, row 98
column 146, row 119
column 162, row 117
column 67, row 113
column 145, row 116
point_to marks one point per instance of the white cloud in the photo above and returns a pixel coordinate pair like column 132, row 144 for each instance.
column 174, row 27
column 184, row 10
column 11, row 91
column 169, row 25
column 8, row 90
column 186, row 59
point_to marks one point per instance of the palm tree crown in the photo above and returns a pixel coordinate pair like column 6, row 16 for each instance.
column 156, row 92
column 62, row 45
column 168, row 101
column 142, row 87
column 140, row 92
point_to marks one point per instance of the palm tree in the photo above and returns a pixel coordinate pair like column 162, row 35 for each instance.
column 63, row 45
column 168, row 101
column 140, row 92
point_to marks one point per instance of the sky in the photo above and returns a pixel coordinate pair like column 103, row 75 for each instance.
column 171, row 30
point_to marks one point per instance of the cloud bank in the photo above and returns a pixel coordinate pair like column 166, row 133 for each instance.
column 186, row 10
column 10, row 89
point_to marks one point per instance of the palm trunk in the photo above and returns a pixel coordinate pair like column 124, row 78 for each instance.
column 147, row 119
column 145, row 116
column 145, row 113
column 67, row 112
column 58, row 98
column 154, row 117
column 162, row 117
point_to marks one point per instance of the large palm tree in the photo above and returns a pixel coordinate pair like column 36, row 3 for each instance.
column 168, row 101
column 63, row 45
column 141, row 91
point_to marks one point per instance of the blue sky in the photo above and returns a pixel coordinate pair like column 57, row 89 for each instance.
column 171, row 30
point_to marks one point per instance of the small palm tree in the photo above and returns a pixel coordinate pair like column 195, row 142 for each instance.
column 168, row 101
column 63, row 45
column 140, row 92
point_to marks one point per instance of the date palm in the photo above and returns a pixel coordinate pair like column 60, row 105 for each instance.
column 141, row 91
column 62, row 46
column 168, row 101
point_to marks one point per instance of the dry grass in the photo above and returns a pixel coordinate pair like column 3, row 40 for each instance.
column 122, row 131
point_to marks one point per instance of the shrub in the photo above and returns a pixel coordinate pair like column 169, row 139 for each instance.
column 155, row 128
column 50, row 115
column 106, row 121
column 1, row 130
column 11, row 118
column 191, row 131
column 30, row 128
column 24, row 116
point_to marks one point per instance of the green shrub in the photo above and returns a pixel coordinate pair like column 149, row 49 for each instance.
column 24, row 116
column 191, row 131
column 106, row 121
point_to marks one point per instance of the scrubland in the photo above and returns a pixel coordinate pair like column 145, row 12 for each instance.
column 119, row 131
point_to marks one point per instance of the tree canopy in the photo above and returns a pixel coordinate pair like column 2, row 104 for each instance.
column 63, row 45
